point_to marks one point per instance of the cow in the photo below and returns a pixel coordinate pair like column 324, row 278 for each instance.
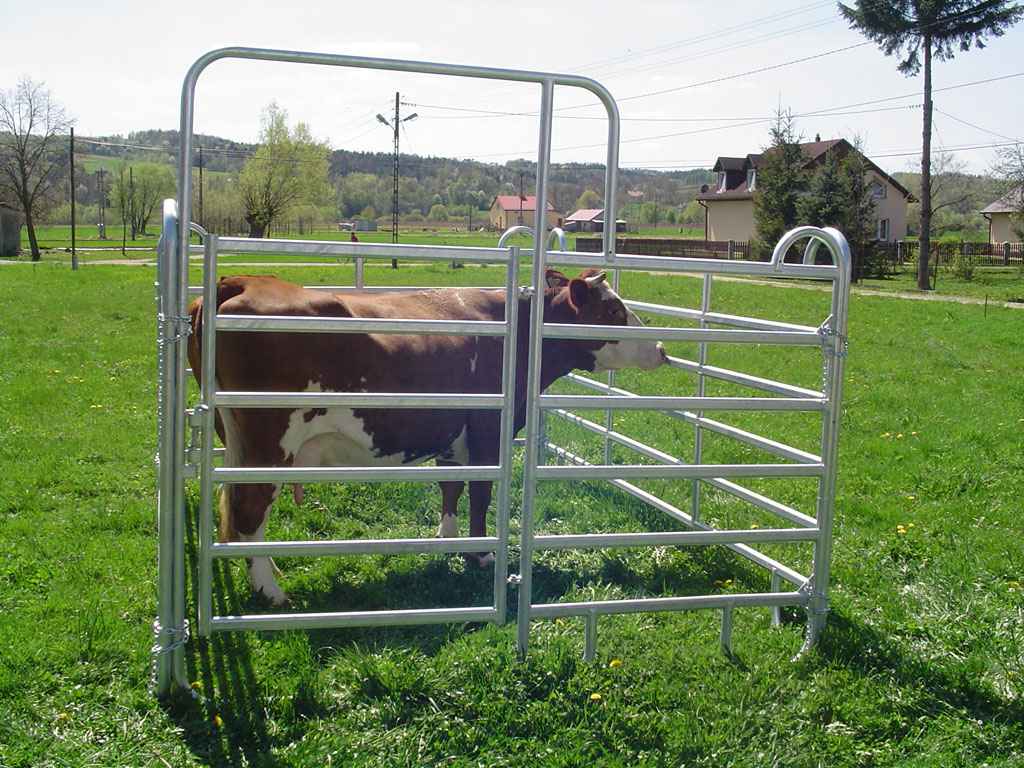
column 394, row 363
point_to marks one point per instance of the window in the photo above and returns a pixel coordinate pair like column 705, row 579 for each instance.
column 751, row 179
column 877, row 189
column 721, row 181
column 882, row 230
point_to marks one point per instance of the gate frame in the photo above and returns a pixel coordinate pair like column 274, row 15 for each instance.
column 171, row 628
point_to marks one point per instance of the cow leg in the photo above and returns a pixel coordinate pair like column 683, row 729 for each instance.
column 451, row 491
column 479, row 501
column 243, row 517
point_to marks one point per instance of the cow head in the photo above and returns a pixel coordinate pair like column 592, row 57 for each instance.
column 595, row 303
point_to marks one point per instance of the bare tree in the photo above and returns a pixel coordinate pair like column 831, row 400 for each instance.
column 33, row 152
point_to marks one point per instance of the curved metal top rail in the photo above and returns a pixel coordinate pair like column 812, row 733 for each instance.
column 546, row 79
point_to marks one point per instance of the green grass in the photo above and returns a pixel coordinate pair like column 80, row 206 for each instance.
column 922, row 662
column 992, row 283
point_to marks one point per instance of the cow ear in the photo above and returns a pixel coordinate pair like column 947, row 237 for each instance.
column 579, row 293
column 556, row 279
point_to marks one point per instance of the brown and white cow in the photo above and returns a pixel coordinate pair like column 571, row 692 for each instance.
column 333, row 362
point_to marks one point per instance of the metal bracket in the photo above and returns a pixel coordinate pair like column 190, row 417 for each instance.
column 515, row 579
column 817, row 602
column 527, row 291
column 833, row 341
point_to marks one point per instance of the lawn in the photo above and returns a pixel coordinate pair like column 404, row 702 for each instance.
column 921, row 664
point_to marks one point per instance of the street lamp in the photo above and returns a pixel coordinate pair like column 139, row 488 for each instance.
column 394, row 197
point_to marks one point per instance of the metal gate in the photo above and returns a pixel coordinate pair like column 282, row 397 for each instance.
column 186, row 434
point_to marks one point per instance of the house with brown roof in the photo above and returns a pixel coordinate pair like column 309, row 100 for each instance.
column 729, row 204
column 1006, row 217
column 513, row 210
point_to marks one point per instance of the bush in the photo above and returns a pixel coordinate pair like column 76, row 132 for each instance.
column 963, row 267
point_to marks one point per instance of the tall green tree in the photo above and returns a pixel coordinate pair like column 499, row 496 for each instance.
column 921, row 31
column 779, row 184
column 34, row 151
column 839, row 195
column 288, row 169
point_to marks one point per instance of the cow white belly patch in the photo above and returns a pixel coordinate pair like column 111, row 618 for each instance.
column 335, row 437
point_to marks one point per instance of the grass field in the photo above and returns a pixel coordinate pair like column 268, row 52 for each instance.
column 921, row 664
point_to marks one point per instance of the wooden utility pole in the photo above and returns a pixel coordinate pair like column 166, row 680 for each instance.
column 74, row 252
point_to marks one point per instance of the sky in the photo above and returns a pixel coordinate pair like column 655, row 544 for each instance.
column 693, row 80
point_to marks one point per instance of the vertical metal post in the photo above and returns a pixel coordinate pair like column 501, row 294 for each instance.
column 507, row 434
column 702, row 360
column 834, row 351
column 74, row 249
column 532, row 433
column 207, row 410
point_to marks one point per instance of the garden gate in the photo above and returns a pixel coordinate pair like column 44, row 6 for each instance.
column 186, row 445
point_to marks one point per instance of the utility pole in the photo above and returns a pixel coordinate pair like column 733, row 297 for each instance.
column 394, row 197
column 74, row 253
column 101, row 172
column 201, row 220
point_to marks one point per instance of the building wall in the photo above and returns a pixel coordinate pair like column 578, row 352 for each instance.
column 894, row 208
column 10, row 232
column 730, row 220
column 1002, row 229
column 502, row 219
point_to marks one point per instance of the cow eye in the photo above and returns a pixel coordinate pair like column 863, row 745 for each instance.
column 616, row 312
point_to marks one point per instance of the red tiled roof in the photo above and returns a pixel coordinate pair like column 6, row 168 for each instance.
column 585, row 214
column 517, row 203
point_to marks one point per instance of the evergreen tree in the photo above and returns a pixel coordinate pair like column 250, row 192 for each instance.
column 779, row 183
column 922, row 30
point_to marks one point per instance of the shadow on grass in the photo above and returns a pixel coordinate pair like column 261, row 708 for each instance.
column 948, row 689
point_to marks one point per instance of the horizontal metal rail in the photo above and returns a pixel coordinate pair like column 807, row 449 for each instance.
column 657, row 604
column 668, row 403
column 693, row 335
column 288, row 323
column 763, row 502
column 683, row 472
column 353, row 619
column 354, row 547
column 749, row 438
column 693, row 266
column 742, row 379
column 352, row 474
column 734, row 321
column 237, row 399
column 751, row 554
column 406, row 252
column 673, row 538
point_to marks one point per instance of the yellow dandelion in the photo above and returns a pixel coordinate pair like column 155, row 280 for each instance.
column 910, row 525
column 197, row 685
column 911, row 497
column 217, row 721
column 913, row 432
column 595, row 697
column 64, row 717
column 716, row 583
column 899, row 436
column 727, row 583
column 559, row 623
column 754, row 526
column 1015, row 584
column 886, row 434
column 615, row 663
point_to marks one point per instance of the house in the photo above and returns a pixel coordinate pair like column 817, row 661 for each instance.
column 1003, row 215
column 513, row 210
column 590, row 220
column 729, row 204
column 10, row 230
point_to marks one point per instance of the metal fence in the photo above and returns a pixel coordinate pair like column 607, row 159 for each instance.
column 186, row 433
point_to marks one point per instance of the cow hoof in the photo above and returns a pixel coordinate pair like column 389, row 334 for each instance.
column 483, row 559
column 274, row 596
